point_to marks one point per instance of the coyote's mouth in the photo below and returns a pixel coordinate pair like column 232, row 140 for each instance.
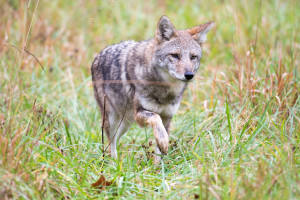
column 187, row 81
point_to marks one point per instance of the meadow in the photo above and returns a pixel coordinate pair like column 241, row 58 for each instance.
column 235, row 136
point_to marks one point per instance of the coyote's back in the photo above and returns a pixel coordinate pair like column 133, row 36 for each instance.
column 144, row 81
column 107, row 74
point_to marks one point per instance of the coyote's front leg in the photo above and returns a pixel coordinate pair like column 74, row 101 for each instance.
column 144, row 117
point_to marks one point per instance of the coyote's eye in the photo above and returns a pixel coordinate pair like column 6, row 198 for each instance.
column 193, row 57
column 174, row 55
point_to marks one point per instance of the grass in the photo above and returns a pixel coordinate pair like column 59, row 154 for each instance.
column 236, row 135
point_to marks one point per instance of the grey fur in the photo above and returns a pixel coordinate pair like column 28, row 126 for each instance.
column 144, row 81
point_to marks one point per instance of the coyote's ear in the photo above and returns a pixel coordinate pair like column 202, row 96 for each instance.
column 165, row 29
column 199, row 32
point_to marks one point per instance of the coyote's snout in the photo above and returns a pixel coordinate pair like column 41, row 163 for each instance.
column 144, row 81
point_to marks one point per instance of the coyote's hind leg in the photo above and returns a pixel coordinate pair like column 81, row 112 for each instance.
column 118, row 128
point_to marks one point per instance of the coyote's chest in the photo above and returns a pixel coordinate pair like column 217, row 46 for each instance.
column 161, row 109
column 163, row 100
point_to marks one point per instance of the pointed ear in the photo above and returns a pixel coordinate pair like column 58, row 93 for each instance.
column 199, row 32
column 165, row 29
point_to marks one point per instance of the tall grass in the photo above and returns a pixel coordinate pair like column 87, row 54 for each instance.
column 236, row 135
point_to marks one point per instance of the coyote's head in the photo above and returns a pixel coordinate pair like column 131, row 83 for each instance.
column 179, row 52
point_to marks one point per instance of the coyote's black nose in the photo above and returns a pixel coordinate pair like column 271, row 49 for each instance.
column 189, row 75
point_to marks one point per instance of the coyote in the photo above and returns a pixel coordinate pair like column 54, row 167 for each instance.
column 144, row 81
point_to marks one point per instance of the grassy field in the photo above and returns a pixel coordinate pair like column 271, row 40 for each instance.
column 235, row 136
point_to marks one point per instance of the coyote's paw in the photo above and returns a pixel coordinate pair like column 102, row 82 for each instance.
column 162, row 140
